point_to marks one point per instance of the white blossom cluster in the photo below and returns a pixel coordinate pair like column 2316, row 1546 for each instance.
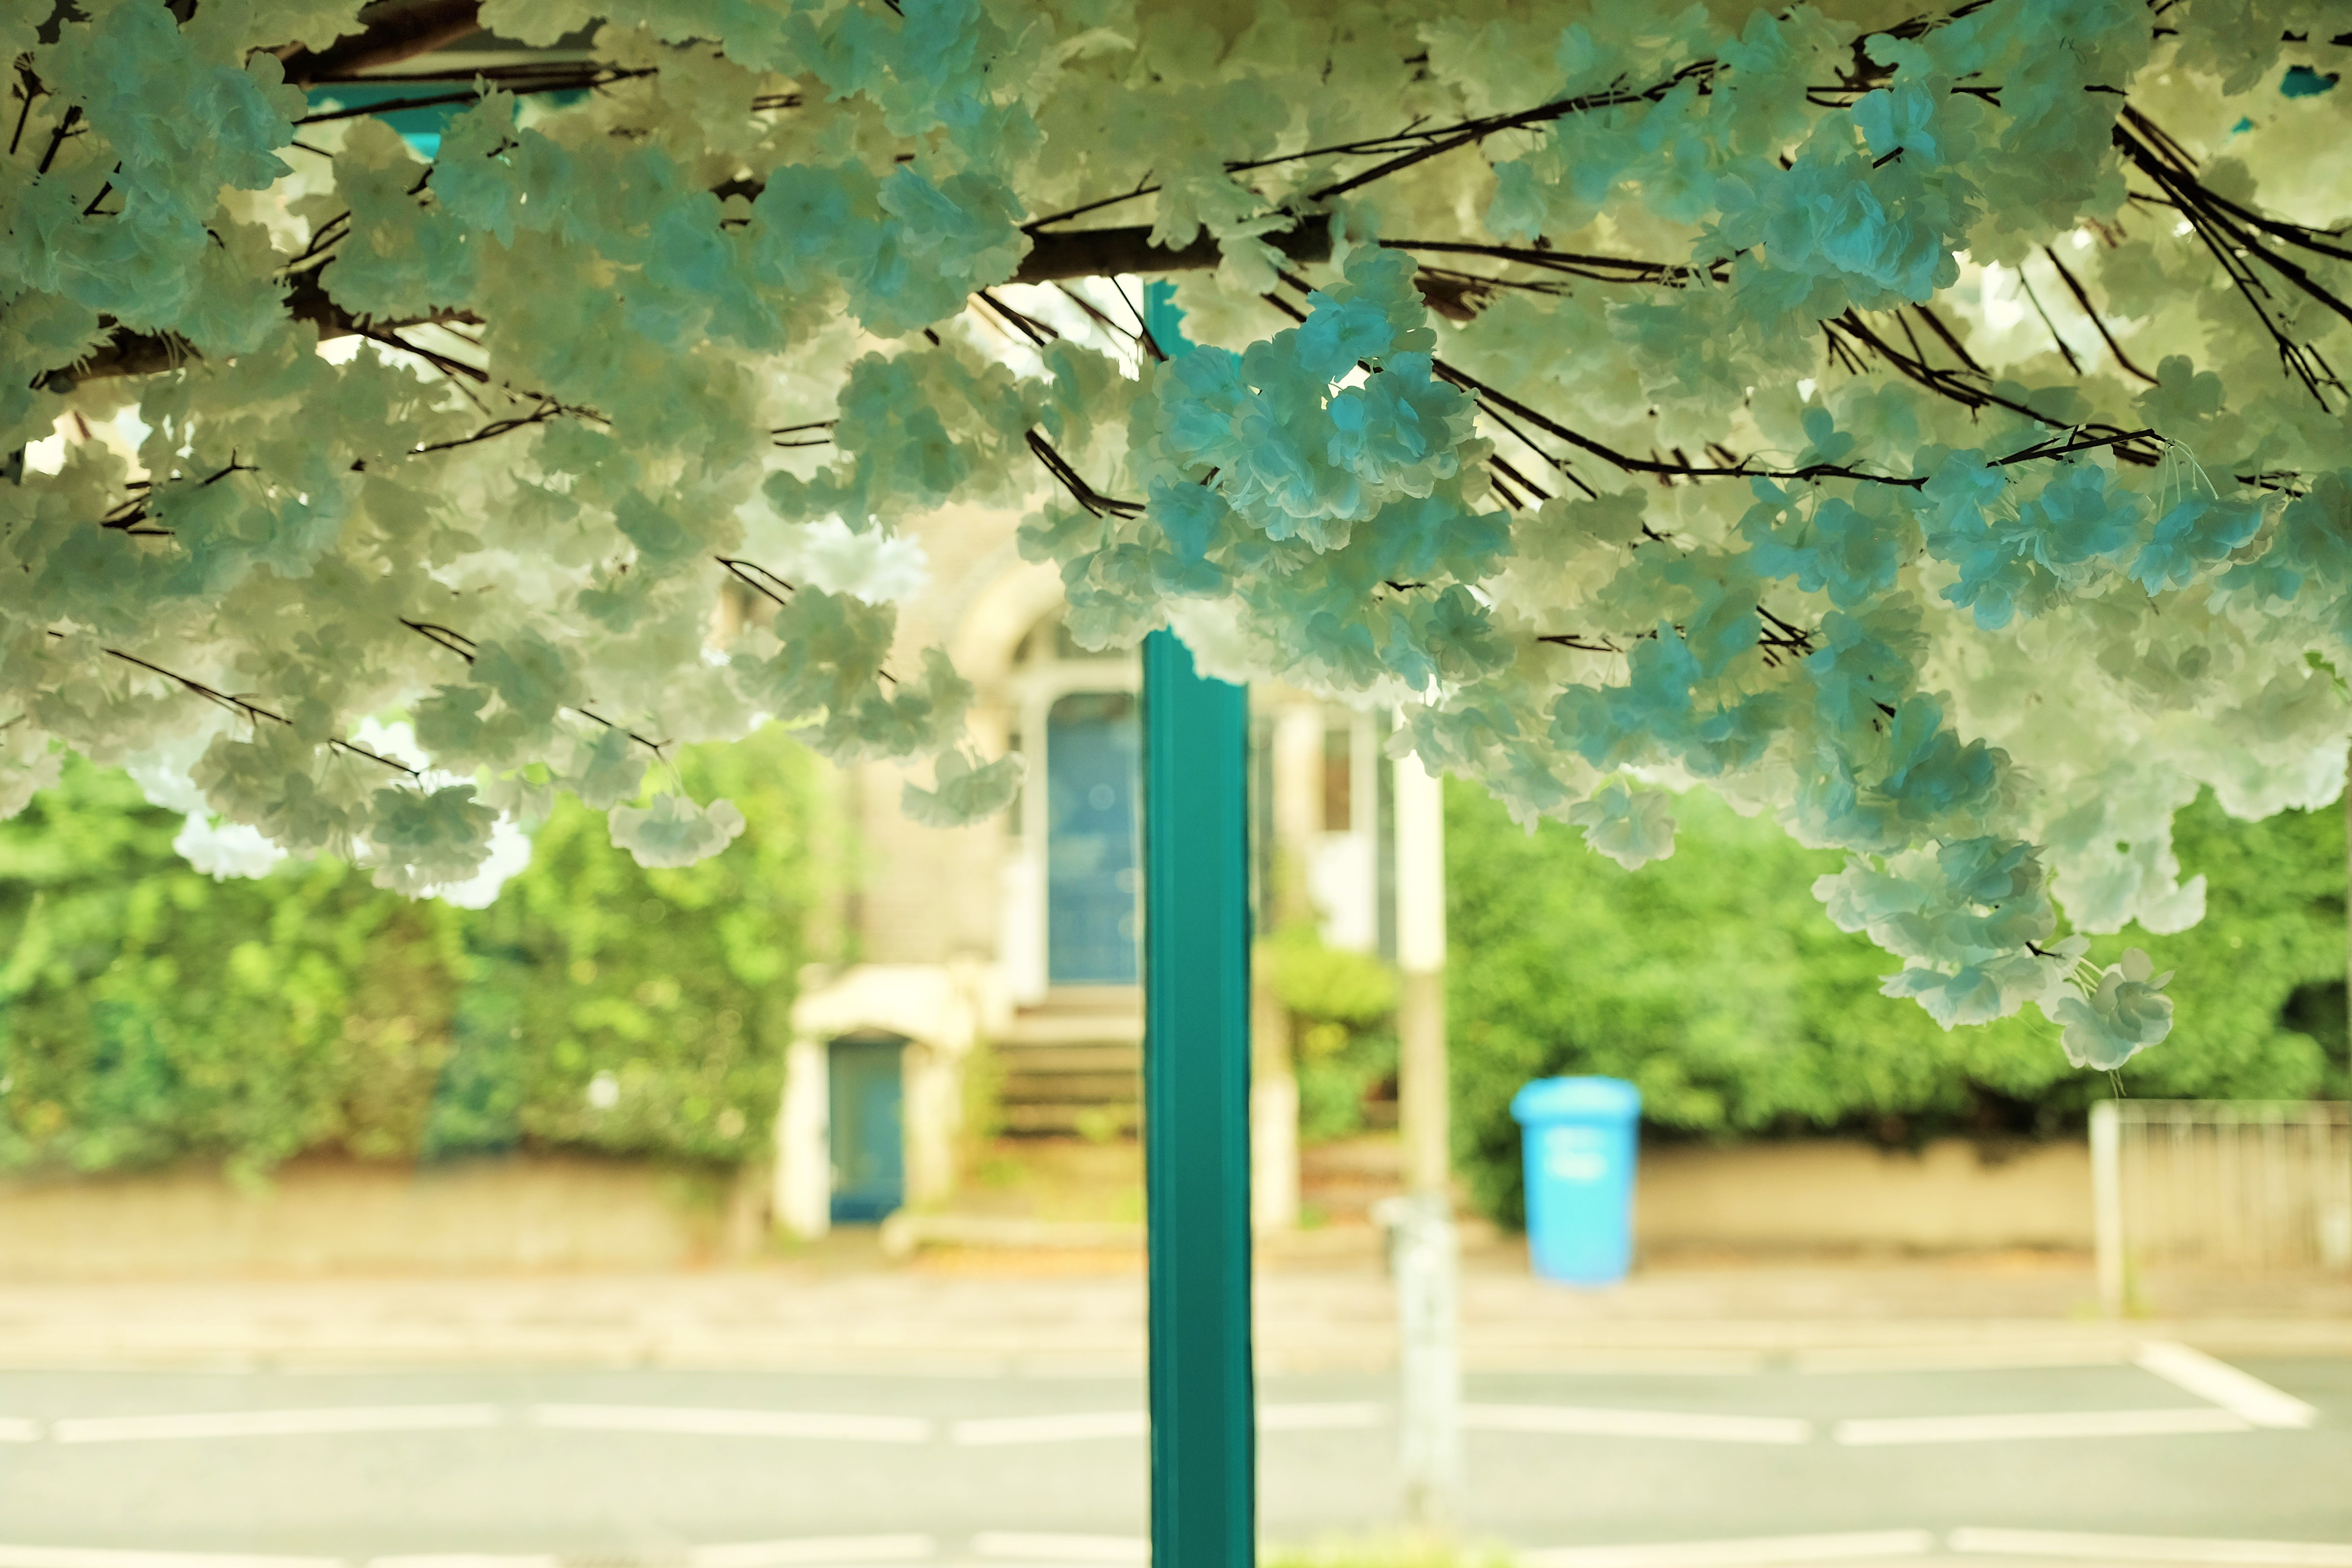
column 1921, row 424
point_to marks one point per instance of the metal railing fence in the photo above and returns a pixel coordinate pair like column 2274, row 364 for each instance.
column 2213, row 1185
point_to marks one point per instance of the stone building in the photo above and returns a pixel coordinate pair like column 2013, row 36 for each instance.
column 1019, row 937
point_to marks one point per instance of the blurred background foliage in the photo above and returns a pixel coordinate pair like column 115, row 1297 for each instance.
column 1342, row 1007
column 149, row 1015
column 1712, row 980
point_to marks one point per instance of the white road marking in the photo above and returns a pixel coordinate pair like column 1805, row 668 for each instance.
column 721, row 1422
column 1691, row 1425
column 274, row 1423
column 813, row 1551
column 1090, row 1548
column 2239, row 1392
column 2052, row 1424
column 1756, row 1554
column 469, row 1560
column 1960, row 1357
column 1084, row 1426
column 2150, row 1548
column 89, row 1557
column 17, row 1430
column 996, row 1430
column 1320, row 1417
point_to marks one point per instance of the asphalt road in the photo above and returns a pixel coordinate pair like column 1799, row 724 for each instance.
column 767, row 1469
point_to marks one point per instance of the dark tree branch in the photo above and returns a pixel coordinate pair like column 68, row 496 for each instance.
column 252, row 713
column 1106, row 252
column 1950, row 384
column 442, row 638
column 1600, row 269
column 495, row 428
column 1626, row 462
column 449, row 641
column 572, row 80
column 1095, row 503
column 2035, row 299
column 1936, row 324
column 2228, row 230
column 1469, row 133
column 391, row 31
column 66, row 123
column 756, row 577
column 1039, row 333
column 653, row 746
column 2082, row 298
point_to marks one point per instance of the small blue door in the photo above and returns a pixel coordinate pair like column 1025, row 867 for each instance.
column 869, row 1167
column 1091, row 881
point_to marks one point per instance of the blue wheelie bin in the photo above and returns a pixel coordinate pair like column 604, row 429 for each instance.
column 1578, row 1134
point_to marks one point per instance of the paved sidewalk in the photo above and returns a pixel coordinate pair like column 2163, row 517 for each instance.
column 845, row 1308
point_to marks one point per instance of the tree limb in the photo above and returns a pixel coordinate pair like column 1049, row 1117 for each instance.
column 392, row 31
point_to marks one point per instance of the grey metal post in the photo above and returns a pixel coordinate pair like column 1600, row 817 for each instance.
column 1423, row 1241
column 2107, row 1203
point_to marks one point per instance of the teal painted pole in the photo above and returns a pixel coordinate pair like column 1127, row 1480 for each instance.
column 1196, row 1081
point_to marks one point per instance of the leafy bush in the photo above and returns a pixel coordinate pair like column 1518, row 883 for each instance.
column 1342, row 1007
column 1712, row 981
column 149, row 1013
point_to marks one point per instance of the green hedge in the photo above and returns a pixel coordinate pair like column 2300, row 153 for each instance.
column 149, row 1015
column 1714, row 981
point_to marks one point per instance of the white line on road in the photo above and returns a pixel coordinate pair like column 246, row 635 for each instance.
column 813, row 1551
column 1756, row 1554
column 2150, row 1548
column 469, row 1560
column 1687, row 1425
column 1960, row 1357
column 1089, row 1549
column 274, row 1423
column 1086, row 1425
column 2052, row 1424
column 17, row 1430
column 91, row 1557
column 1002, row 1429
column 2225, row 1385
column 719, row 1422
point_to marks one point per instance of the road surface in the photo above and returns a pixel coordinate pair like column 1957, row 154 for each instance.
column 1865, row 1456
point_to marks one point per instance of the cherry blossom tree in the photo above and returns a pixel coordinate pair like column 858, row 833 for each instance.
column 1921, row 425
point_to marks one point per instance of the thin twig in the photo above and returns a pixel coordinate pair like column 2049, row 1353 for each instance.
column 2082, row 298
column 1095, row 503
column 749, row 573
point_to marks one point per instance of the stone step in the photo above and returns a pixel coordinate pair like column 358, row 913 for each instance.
column 1069, row 1120
column 1072, row 1065
column 1024, row 1061
column 1071, row 1088
column 1073, row 1027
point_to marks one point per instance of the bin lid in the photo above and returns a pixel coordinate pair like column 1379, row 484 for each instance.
column 1577, row 1100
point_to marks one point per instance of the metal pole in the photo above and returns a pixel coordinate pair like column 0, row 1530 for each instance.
column 1196, row 1086
column 2107, row 1203
column 1424, row 1249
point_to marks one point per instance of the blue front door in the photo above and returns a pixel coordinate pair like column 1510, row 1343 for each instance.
column 869, row 1167
column 1091, row 909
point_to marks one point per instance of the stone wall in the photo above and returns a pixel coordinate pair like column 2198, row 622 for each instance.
column 1833, row 1195
column 523, row 1215
column 325, row 1217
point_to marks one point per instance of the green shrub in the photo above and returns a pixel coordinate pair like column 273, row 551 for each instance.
column 1342, row 1007
column 1714, row 982
column 149, row 1015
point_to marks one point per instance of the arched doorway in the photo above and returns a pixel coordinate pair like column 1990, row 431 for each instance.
column 1077, row 912
column 866, row 1088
